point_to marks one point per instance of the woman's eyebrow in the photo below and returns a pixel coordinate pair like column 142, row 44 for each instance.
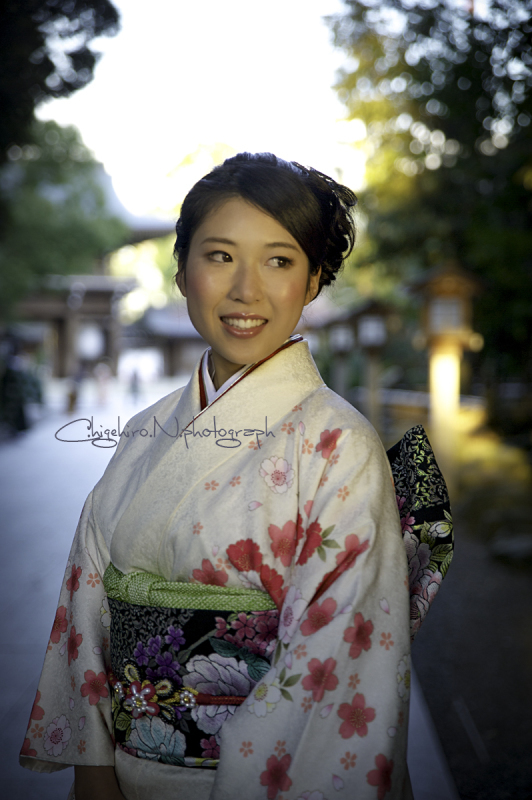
column 219, row 239
column 222, row 240
column 282, row 244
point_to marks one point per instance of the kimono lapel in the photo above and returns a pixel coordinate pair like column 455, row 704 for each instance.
column 256, row 402
column 235, row 408
column 204, row 402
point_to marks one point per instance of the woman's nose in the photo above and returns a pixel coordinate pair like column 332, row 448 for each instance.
column 247, row 283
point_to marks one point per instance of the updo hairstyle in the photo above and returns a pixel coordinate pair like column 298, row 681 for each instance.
column 314, row 209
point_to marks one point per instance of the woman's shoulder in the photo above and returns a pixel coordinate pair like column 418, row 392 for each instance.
column 138, row 427
column 133, row 454
column 157, row 411
column 324, row 408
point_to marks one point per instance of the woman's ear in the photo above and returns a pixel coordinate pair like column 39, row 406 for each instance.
column 180, row 278
column 313, row 286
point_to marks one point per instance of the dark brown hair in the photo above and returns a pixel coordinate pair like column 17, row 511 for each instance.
column 314, row 209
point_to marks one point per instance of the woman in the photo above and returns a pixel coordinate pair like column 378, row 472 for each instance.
column 255, row 579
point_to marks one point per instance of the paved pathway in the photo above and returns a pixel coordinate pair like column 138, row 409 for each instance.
column 43, row 484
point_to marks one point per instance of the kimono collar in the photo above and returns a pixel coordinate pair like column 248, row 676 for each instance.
column 208, row 392
column 207, row 389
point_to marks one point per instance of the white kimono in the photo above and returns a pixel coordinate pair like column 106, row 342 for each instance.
column 278, row 485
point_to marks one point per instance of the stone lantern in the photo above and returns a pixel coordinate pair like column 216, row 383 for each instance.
column 447, row 293
column 341, row 344
column 370, row 323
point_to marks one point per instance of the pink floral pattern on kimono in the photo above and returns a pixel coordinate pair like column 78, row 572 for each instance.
column 326, row 552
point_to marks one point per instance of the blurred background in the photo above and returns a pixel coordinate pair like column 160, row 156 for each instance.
column 109, row 113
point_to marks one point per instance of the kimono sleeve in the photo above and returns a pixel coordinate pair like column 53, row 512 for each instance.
column 70, row 722
column 330, row 717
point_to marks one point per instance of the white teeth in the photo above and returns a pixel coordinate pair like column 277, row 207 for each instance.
column 243, row 323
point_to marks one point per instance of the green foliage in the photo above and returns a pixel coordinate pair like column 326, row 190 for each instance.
column 167, row 265
column 446, row 99
column 45, row 53
column 57, row 221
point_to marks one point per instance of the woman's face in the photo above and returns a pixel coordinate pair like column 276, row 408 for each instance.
column 246, row 282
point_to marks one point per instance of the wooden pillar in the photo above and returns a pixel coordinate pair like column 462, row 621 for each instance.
column 372, row 388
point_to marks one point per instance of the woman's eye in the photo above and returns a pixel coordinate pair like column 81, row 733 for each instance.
column 219, row 256
column 280, row 261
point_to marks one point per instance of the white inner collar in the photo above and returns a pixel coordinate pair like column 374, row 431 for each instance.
column 208, row 383
column 210, row 390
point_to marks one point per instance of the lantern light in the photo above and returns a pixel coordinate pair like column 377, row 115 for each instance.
column 341, row 338
column 371, row 330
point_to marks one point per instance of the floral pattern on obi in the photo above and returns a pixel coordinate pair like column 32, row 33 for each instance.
column 161, row 658
column 426, row 520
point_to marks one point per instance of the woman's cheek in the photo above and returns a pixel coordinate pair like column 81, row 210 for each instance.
column 295, row 291
column 204, row 286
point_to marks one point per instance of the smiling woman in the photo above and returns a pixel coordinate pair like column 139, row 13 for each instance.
column 257, row 239
column 234, row 620
column 245, row 299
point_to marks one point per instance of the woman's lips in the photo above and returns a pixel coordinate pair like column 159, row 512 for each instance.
column 243, row 327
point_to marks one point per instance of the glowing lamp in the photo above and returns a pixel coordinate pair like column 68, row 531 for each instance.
column 447, row 292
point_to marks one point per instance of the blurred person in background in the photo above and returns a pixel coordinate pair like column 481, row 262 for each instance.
column 102, row 373
column 74, row 390
column 19, row 386
column 134, row 386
